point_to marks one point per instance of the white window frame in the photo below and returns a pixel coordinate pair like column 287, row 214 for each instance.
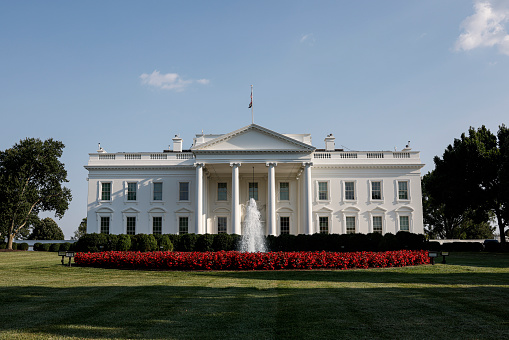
column 104, row 212
column 351, row 212
column 343, row 190
column 217, row 192
column 152, row 216
column 216, row 223
column 371, row 199
column 285, row 215
column 409, row 222
column 101, row 191
column 279, row 191
column 405, row 211
column 126, row 191
column 126, row 217
column 188, row 191
column 408, row 199
column 371, row 222
column 317, row 190
column 109, row 224
column 188, row 224
column 257, row 189
column 153, row 191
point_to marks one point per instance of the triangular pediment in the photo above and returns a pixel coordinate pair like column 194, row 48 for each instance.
column 253, row 138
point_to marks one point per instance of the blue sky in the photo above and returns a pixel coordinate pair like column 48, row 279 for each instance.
column 131, row 74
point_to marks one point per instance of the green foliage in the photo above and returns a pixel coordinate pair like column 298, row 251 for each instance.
column 65, row 246
column 123, row 242
column 222, row 242
column 92, row 243
column 23, row 246
column 45, row 246
column 204, row 242
column 38, row 246
column 14, row 246
column 164, row 242
column 54, row 247
column 82, row 229
column 469, row 183
column 3, row 245
column 46, row 229
column 144, row 242
column 187, row 242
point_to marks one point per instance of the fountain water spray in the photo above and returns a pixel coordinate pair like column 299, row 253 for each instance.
column 253, row 238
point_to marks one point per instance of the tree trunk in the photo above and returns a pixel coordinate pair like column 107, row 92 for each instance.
column 501, row 226
column 9, row 242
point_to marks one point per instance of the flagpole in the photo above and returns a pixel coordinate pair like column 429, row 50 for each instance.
column 252, row 108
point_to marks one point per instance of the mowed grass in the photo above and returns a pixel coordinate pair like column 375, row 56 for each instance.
column 468, row 298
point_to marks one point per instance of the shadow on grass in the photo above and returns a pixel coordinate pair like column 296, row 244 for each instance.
column 187, row 312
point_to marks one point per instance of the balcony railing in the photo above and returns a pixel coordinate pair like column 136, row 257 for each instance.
column 365, row 155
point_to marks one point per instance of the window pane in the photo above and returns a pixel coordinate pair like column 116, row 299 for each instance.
column 106, row 191
column 376, row 190
column 284, row 223
column 184, row 191
column 183, row 225
column 253, row 191
column 222, row 192
column 105, row 225
column 131, row 225
column 403, row 190
column 350, row 225
column 222, row 225
column 158, row 191
column 323, row 192
column 349, row 190
column 157, row 225
column 284, row 191
column 404, row 223
column 377, row 224
column 324, row 225
column 131, row 191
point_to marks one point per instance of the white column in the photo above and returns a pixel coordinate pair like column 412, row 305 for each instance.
column 236, row 227
column 272, row 198
column 199, row 198
column 308, row 199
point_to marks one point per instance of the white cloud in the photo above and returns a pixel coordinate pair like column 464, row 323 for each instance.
column 308, row 38
column 168, row 81
column 486, row 27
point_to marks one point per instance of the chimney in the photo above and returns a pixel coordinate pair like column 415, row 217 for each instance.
column 177, row 144
column 330, row 144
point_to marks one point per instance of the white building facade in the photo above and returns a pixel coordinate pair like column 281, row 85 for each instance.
column 298, row 189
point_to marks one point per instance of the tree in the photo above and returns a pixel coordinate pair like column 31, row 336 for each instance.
column 471, row 178
column 31, row 178
column 82, row 229
column 46, row 229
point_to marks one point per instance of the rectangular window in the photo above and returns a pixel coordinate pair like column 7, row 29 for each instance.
column 350, row 224
column 377, row 224
column 404, row 223
column 253, row 191
column 158, row 191
column 222, row 192
column 323, row 191
column 284, row 191
column 403, row 190
column 157, row 225
column 106, row 191
column 349, row 190
column 324, row 224
column 131, row 191
column 284, row 223
column 105, row 225
column 376, row 190
column 131, row 226
column 184, row 191
column 183, row 225
column 222, row 225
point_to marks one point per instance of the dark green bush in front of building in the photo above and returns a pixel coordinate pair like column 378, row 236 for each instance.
column 187, row 242
column 23, row 246
column 65, row 246
column 54, row 247
column 92, row 243
column 45, row 246
column 204, row 242
column 144, row 242
column 164, row 243
column 123, row 242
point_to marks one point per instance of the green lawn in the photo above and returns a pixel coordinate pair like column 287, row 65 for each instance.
column 466, row 299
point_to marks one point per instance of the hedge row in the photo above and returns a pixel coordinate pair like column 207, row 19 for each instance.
column 229, row 242
column 467, row 246
column 15, row 246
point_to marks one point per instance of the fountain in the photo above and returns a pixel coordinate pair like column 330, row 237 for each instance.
column 253, row 238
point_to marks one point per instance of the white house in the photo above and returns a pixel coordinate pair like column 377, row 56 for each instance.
column 299, row 189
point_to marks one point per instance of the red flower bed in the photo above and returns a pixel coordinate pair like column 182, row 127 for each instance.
column 234, row 260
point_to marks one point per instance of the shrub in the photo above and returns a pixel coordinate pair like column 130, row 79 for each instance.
column 164, row 243
column 45, row 246
column 111, row 242
column 3, row 245
column 221, row 242
column 37, row 246
column 144, row 242
column 54, row 247
column 23, row 246
column 187, row 242
column 92, row 242
column 65, row 246
column 204, row 242
column 14, row 246
column 123, row 242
